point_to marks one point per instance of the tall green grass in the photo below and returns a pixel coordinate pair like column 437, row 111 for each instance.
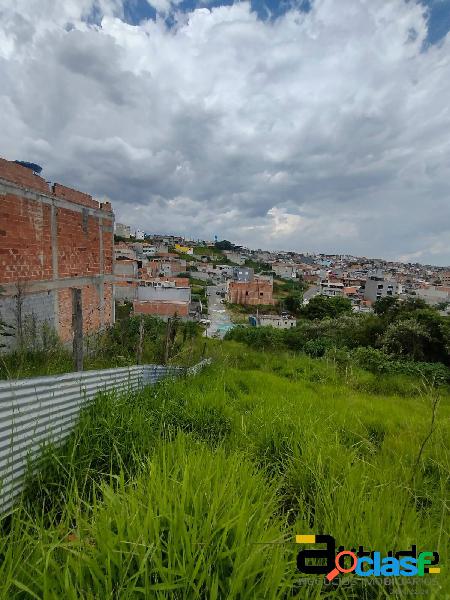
column 197, row 488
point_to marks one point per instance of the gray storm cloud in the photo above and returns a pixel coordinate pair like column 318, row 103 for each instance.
column 325, row 130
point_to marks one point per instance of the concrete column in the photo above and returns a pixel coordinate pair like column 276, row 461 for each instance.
column 54, row 238
column 101, row 286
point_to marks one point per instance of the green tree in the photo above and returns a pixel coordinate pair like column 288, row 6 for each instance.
column 436, row 350
column 224, row 245
column 321, row 307
column 406, row 338
column 386, row 305
column 293, row 303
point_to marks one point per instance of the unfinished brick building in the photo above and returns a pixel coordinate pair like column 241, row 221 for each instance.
column 52, row 240
column 257, row 291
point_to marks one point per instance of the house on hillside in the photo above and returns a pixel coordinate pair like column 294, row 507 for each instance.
column 277, row 321
column 257, row 290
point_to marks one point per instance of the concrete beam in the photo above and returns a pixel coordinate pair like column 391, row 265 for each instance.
column 31, row 287
column 6, row 187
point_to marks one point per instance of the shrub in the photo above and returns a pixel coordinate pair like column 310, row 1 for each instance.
column 316, row 348
column 321, row 307
column 375, row 361
column 263, row 338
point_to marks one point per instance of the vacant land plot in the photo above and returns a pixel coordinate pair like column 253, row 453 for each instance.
column 197, row 488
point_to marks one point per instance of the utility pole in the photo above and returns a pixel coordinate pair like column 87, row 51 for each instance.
column 77, row 327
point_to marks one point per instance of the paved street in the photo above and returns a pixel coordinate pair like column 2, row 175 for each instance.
column 220, row 321
column 311, row 292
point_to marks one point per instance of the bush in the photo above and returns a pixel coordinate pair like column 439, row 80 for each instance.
column 321, row 307
column 375, row 361
column 378, row 362
column 263, row 338
column 316, row 348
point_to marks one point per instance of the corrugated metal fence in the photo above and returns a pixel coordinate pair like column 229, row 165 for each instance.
column 33, row 411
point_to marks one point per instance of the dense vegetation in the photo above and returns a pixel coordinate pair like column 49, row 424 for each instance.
column 289, row 294
column 197, row 488
column 405, row 337
column 125, row 343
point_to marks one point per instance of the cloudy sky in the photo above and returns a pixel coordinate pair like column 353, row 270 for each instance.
column 319, row 125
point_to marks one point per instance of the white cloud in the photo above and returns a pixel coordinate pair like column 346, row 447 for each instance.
column 164, row 6
column 325, row 130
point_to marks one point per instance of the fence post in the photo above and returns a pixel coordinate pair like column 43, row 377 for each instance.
column 141, row 341
column 77, row 326
column 167, row 341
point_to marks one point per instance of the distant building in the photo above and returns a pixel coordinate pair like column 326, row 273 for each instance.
column 196, row 310
column 223, row 271
column 167, row 281
column 123, row 250
column 364, row 306
column 184, row 249
column 149, row 250
column 445, row 278
column 331, row 288
column 273, row 321
column 311, row 279
column 202, row 275
column 434, row 294
column 162, row 308
column 140, row 235
column 122, row 230
column 164, row 266
column 257, row 291
column 167, row 292
column 243, row 274
column 352, row 293
column 126, row 280
column 161, row 248
column 284, row 270
column 377, row 287
column 235, row 257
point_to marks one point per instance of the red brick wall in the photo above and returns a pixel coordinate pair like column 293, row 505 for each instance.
column 22, row 176
column 252, row 292
column 61, row 191
column 161, row 309
column 26, row 245
column 78, row 244
column 108, row 245
column 91, row 309
column 179, row 281
column 25, row 240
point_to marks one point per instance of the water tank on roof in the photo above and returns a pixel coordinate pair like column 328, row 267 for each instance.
column 29, row 165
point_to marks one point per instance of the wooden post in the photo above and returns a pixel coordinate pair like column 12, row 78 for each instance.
column 167, row 342
column 77, row 326
column 141, row 341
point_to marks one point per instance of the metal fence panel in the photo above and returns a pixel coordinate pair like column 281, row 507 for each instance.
column 42, row 409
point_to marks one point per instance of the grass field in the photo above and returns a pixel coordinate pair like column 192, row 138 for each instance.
column 197, row 488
